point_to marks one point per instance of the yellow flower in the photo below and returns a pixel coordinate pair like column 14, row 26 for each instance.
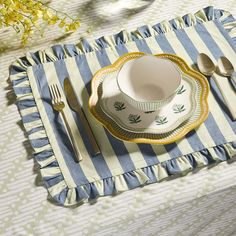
column 73, row 26
column 46, row 15
column 53, row 20
column 24, row 15
column 62, row 23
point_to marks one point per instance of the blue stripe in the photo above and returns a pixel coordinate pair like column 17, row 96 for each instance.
column 187, row 20
column 109, row 186
column 144, row 31
column 213, row 129
column 38, row 143
column 119, row 38
column 216, row 52
column 101, row 42
column 36, row 129
column 31, row 117
column 121, row 153
column 35, row 56
column 221, row 153
column 86, row 46
column 159, row 29
column 173, row 24
column 233, row 144
column 187, row 44
column 173, row 150
column 22, row 90
column 103, row 58
column 210, row 123
column 26, row 103
column 98, row 161
column 208, row 40
column 14, row 69
column 150, row 174
column 142, row 46
column 92, row 191
column 131, row 180
column 71, row 49
column 207, row 156
column 121, row 49
column 58, row 127
column 209, row 11
column 194, row 140
column 53, row 181
column 58, row 51
column 164, row 44
column 149, row 155
column 171, row 167
column 61, row 197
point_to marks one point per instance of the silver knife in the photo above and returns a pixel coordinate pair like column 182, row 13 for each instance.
column 75, row 106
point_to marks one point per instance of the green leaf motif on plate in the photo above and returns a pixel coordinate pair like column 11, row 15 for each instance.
column 181, row 90
column 119, row 106
column 134, row 119
column 148, row 112
column 178, row 108
column 161, row 120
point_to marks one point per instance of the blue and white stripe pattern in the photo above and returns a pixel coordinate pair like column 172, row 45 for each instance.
column 121, row 166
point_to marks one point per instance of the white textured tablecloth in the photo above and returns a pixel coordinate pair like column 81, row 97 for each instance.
column 201, row 203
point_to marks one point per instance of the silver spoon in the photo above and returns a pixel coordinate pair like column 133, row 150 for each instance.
column 205, row 64
column 226, row 68
column 207, row 67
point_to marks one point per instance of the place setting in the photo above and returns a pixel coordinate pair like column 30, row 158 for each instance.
column 122, row 111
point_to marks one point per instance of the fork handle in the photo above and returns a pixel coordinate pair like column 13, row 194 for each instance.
column 73, row 142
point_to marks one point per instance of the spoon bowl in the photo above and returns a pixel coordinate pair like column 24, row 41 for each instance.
column 205, row 64
column 225, row 66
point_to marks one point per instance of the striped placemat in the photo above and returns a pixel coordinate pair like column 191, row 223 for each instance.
column 121, row 166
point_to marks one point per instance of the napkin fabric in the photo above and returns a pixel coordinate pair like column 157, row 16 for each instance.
column 122, row 166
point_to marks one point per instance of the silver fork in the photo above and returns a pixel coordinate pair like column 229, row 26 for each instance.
column 58, row 105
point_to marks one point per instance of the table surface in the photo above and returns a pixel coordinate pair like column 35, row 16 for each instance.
column 190, row 205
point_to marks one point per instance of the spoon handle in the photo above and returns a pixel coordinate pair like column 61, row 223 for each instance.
column 233, row 81
column 228, row 97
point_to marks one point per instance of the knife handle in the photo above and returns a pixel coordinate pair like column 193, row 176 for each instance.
column 73, row 142
column 92, row 139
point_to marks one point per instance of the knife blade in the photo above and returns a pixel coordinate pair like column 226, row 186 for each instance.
column 75, row 106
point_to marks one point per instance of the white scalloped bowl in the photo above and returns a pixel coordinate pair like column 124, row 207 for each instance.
column 148, row 82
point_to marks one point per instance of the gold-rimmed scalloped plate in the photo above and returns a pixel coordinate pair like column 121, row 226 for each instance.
column 198, row 115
